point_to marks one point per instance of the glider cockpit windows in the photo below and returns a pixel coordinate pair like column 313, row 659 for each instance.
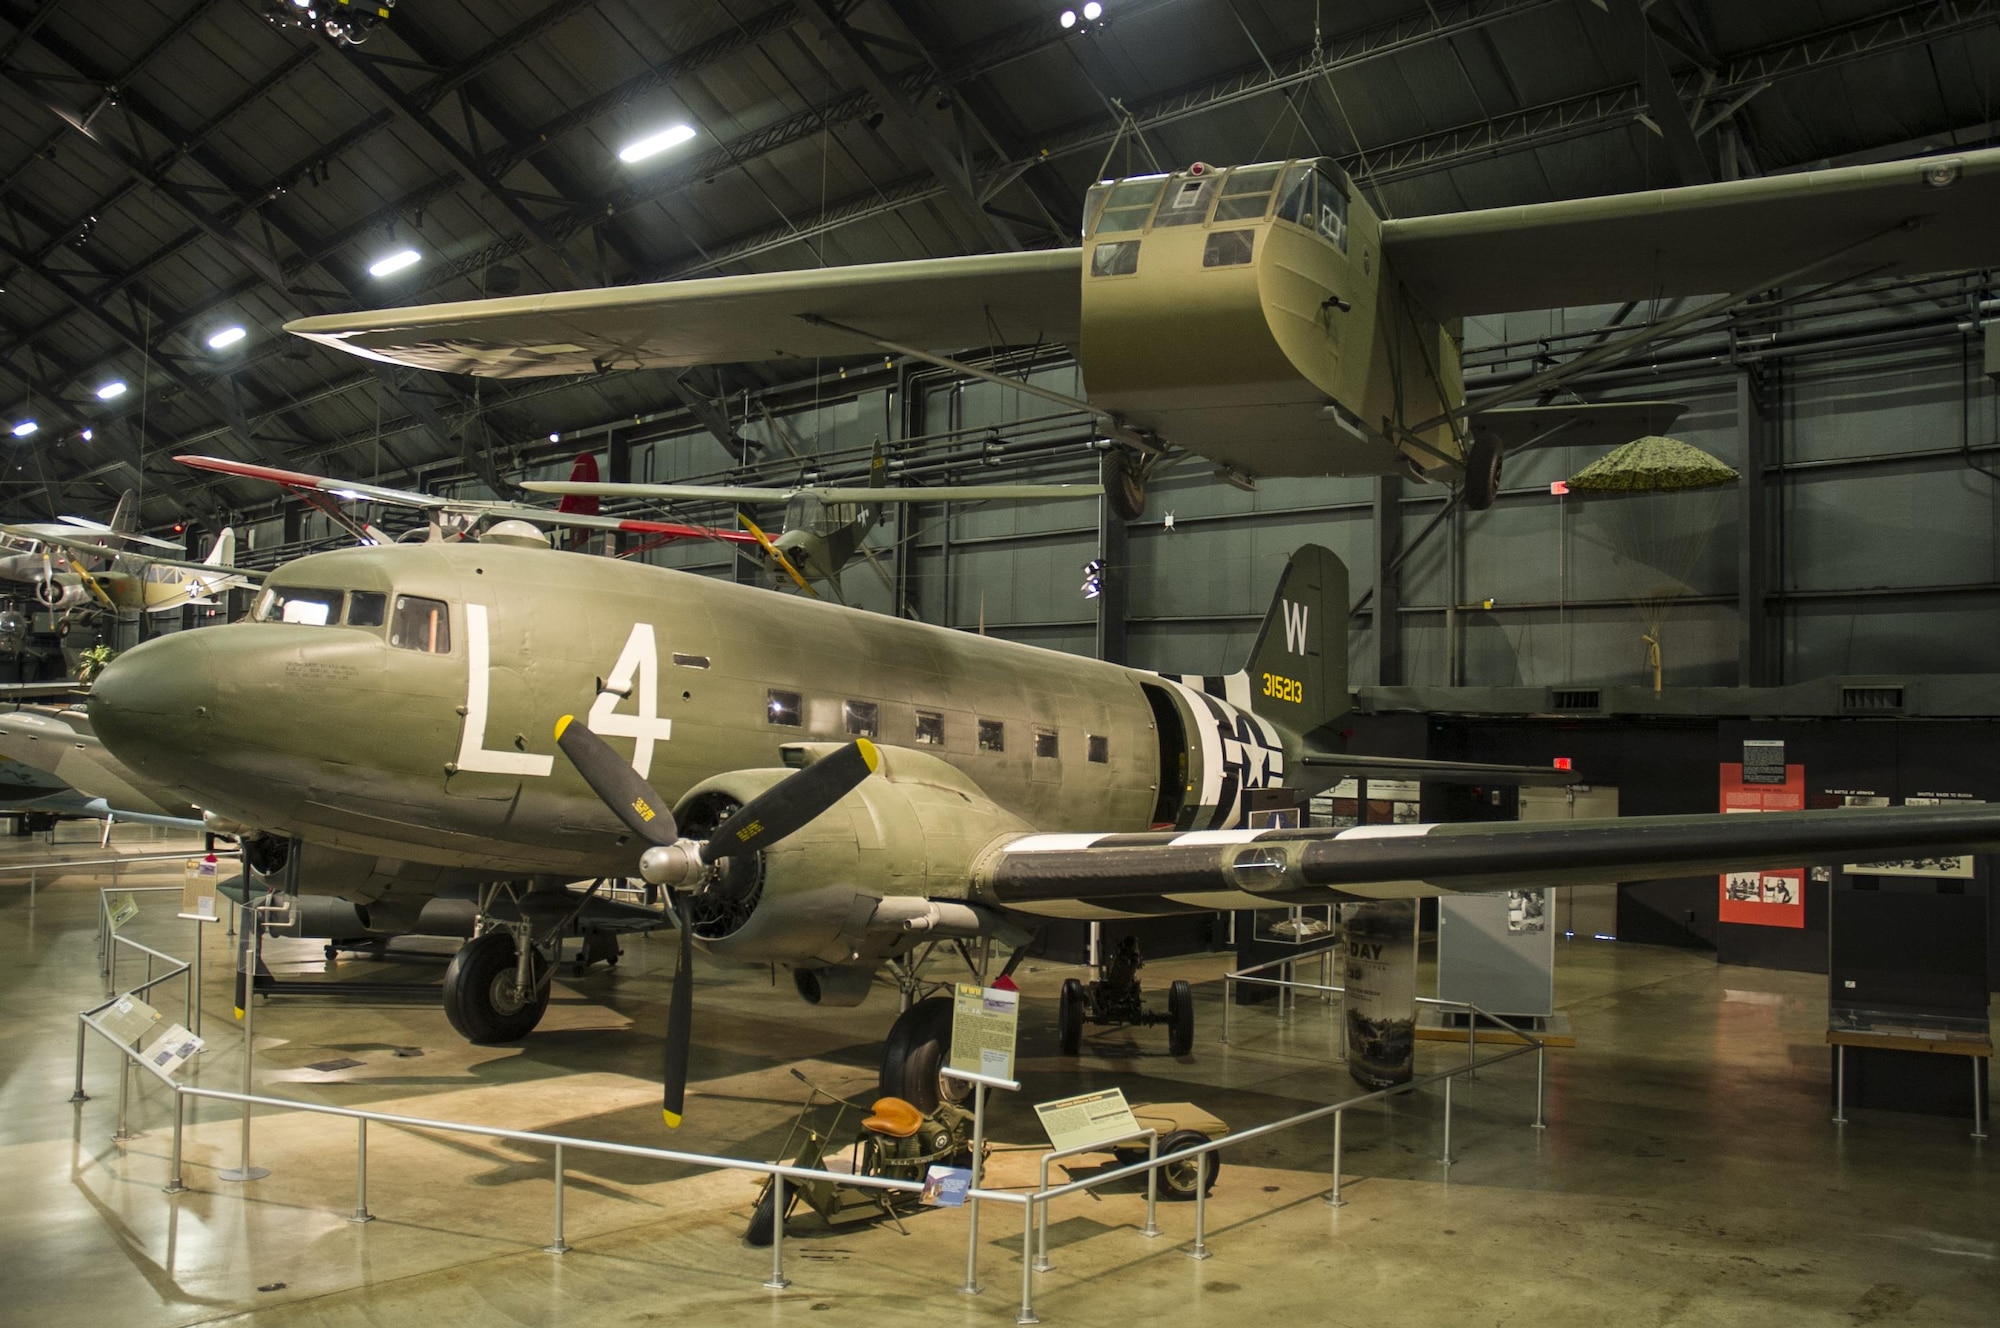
column 992, row 736
column 1315, row 196
column 423, row 625
column 860, row 718
column 1228, row 248
column 1099, row 749
column 930, row 728
column 1126, row 205
column 367, row 608
column 1187, row 201
column 1246, row 193
column 1115, row 258
column 298, row 604
column 784, row 708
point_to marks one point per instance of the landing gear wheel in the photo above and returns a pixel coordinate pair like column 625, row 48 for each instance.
column 481, row 998
column 1069, row 1016
column 1124, row 485
column 1482, row 470
column 762, row 1225
column 918, row 1046
column 1178, row 1179
column 1180, row 1018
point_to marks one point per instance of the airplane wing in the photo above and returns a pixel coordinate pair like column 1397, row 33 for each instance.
column 99, row 528
column 1897, row 218
column 86, row 547
column 1308, row 866
column 1446, row 772
column 832, row 493
column 938, row 303
column 354, row 491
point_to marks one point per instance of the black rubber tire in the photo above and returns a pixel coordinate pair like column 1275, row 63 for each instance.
column 1177, row 1181
column 1069, row 1016
column 472, row 1000
column 1180, row 1018
column 760, row 1230
column 918, row 1046
column 1482, row 470
column 1124, row 488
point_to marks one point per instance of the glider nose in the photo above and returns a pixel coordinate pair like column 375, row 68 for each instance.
column 155, row 705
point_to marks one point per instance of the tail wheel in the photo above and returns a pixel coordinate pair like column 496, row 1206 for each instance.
column 1178, row 1180
column 1069, row 1016
column 917, row 1048
column 1180, row 1018
column 1124, row 484
column 482, row 998
column 1482, row 470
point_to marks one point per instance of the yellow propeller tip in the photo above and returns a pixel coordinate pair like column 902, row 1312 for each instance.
column 673, row 1118
column 562, row 724
column 869, row 753
column 239, row 1013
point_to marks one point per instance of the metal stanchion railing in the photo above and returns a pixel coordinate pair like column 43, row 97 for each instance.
column 1152, row 1227
column 558, row 1245
column 1283, row 984
column 361, row 1213
column 980, row 1083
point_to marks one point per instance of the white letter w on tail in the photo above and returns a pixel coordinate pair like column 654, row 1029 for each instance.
column 1295, row 627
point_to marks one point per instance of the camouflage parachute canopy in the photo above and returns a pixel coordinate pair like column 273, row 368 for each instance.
column 1652, row 465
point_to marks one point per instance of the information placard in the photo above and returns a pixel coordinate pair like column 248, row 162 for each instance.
column 984, row 1023
column 198, row 890
column 172, row 1049
column 1088, row 1119
column 123, row 909
column 945, row 1187
column 128, row 1019
column 1773, row 897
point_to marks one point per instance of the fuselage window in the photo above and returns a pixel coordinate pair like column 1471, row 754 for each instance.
column 992, row 736
column 1045, row 744
column 1099, row 749
column 1115, row 258
column 421, row 624
column 690, row 661
column 366, row 608
column 1228, row 248
column 930, row 728
column 860, row 717
column 314, row 608
column 783, row 708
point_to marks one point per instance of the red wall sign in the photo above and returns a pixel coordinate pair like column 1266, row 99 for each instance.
column 1769, row 898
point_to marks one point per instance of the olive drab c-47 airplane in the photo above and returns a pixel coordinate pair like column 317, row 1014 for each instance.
column 1263, row 316
column 814, row 786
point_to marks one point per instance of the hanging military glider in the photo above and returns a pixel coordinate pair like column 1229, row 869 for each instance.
column 397, row 740
column 1263, row 316
column 23, row 558
column 134, row 582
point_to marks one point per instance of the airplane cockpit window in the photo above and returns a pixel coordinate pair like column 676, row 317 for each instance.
column 1315, row 196
column 805, row 512
column 1127, row 205
column 367, row 608
column 1246, row 193
column 1187, row 201
column 421, row 624
column 297, row 604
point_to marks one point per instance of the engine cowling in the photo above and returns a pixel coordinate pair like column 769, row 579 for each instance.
column 816, row 899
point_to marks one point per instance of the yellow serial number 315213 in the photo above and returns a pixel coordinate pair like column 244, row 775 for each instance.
column 1284, row 689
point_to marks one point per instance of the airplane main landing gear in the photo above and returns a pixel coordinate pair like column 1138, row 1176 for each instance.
column 1482, row 470
column 1115, row 999
column 918, row 1046
column 494, row 990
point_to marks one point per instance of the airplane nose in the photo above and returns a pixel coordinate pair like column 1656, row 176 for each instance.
column 156, row 699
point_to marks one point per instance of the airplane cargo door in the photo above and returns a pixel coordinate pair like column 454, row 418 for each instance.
column 1175, row 774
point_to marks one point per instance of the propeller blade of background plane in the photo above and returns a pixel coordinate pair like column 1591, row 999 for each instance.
column 644, row 812
column 680, row 1024
column 792, row 802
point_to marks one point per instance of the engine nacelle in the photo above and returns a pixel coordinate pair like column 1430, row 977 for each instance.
column 815, row 900
column 840, row 985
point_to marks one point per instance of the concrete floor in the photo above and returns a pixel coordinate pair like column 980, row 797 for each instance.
column 1689, row 1175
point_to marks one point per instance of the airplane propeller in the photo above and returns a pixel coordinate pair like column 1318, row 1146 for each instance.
column 671, row 861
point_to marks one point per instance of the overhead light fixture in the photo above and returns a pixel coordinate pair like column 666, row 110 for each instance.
column 1092, row 12
column 1068, row 19
column 226, row 338
column 24, row 428
column 88, row 434
column 654, row 144
column 394, row 263
column 111, row 391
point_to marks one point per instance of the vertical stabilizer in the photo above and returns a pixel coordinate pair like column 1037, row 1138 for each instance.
column 1298, row 667
column 224, row 552
column 125, row 516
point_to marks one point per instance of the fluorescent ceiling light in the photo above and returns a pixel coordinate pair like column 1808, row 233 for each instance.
column 24, row 428
column 88, row 435
column 227, row 337
column 111, row 391
column 394, row 263
column 656, row 143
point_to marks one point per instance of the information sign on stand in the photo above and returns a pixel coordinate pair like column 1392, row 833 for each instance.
column 1088, row 1119
column 128, row 1019
column 984, row 1023
column 173, row 1049
column 198, row 896
column 1773, row 897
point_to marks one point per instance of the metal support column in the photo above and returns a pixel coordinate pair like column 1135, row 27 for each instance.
column 1757, row 656
column 1114, row 598
column 1385, row 611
